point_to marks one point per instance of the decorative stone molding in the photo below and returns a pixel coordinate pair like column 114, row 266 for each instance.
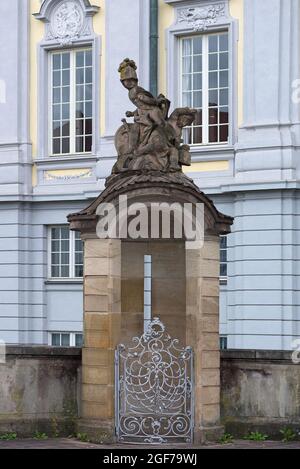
column 52, row 176
column 200, row 18
column 66, row 20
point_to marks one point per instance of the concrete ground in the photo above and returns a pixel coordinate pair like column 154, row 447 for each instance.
column 70, row 443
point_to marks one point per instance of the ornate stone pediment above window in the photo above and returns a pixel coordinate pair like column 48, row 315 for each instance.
column 66, row 20
column 200, row 15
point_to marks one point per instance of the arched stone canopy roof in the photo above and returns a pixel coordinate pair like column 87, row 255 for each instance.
column 152, row 186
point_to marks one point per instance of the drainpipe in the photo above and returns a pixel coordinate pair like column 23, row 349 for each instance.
column 154, row 47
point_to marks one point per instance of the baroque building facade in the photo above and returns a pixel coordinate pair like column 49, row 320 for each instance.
column 236, row 62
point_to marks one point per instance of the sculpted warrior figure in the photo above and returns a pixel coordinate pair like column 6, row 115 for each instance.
column 152, row 141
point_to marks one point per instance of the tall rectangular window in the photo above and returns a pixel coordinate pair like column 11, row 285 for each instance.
column 65, row 253
column 71, row 102
column 205, row 87
column 223, row 257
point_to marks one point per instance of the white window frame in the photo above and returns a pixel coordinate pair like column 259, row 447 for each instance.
column 205, row 87
column 71, row 334
column 71, row 256
column 72, row 101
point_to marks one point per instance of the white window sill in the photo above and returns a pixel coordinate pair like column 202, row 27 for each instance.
column 68, row 281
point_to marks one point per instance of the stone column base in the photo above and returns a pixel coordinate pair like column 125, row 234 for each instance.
column 204, row 435
column 97, row 431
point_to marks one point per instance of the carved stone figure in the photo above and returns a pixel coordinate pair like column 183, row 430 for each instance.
column 153, row 141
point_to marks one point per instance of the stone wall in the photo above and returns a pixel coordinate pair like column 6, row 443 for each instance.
column 260, row 392
column 39, row 390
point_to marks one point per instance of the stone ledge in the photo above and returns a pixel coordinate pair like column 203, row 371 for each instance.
column 257, row 355
column 37, row 351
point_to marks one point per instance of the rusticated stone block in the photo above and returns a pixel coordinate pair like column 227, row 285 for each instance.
column 96, row 375
column 96, row 321
column 210, row 395
column 96, row 303
column 96, row 339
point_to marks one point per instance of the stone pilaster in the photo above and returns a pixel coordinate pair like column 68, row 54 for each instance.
column 102, row 326
column 202, row 272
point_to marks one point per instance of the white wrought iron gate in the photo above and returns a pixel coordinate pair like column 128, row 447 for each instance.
column 154, row 389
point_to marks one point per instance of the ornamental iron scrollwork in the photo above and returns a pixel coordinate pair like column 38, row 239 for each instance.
column 154, row 389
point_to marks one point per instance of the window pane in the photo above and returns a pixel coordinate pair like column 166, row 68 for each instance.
column 197, row 45
column 223, row 97
column 56, row 129
column 66, row 60
column 197, row 99
column 187, row 135
column 224, row 42
column 213, row 134
column 56, row 78
column 55, row 271
column 79, row 76
column 56, row 113
column 187, row 99
column 65, row 129
column 213, row 62
column 79, row 271
column 79, row 127
column 186, row 47
column 197, row 64
column 56, row 95
column 88, row 58
column 224, row 117
column 223, row 242
column 88, row 109
column 56, row 62
column 187, row 82
column 65, row 111
column 55, row 258
column 79, row 110
column 187, row 65
column 197, row 81
column 89, row 75
column 223, row 79
column 223, row 270
column 197, row 134
column 55, row 340
column 65, row 145
column 88, row 92
column 80, row 59
column 213, row 43
column 224, row 133
column 55, row 233
column 80, row 93
column 65, row 273
column 213, row 116
column 88, row 126
column 66, row 94
column 56, row 145
column 223, row 61
column 213, row 98
column 66, row 77
column 213, row 80
column 88, row 144
column 65, row 340
column 79, row 144
column 78, row 340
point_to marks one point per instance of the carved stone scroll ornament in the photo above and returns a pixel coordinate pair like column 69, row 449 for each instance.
column 67, row 22
column 202, row 17
column 153, row 141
